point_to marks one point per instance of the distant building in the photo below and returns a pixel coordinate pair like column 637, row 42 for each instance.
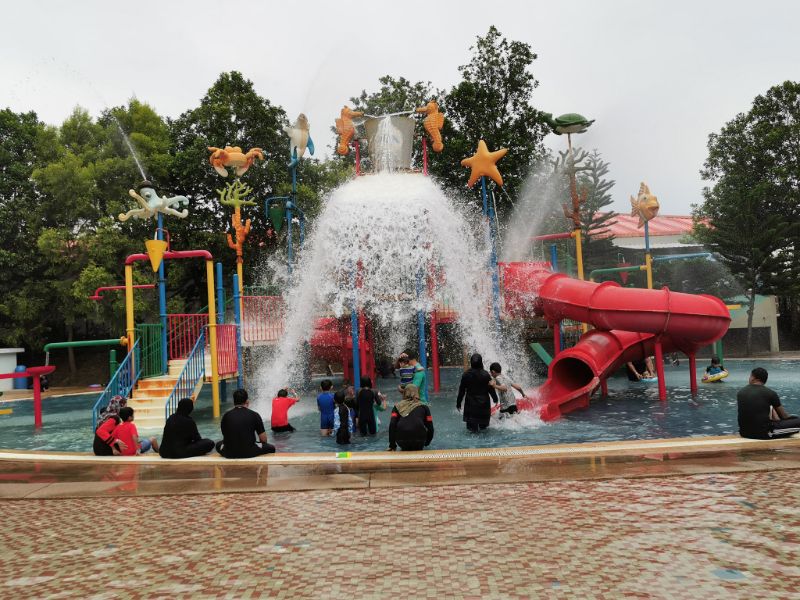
column 666, row 232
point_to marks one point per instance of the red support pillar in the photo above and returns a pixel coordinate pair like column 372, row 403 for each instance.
column 693, row 373
column 362, row 345
column 556, row 338
column 662, row 384
column 357, row 146
column 604, row 387
column 425, row 157
column 37, row 402
column 435, row 352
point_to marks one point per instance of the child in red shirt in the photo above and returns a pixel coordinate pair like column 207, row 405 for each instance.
column 280, row 411
column 126, row 432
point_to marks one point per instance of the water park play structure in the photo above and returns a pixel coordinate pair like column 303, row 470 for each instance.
column 394, row 250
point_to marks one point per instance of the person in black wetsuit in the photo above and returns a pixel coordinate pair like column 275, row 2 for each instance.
column 365, row 400
column 411, row 426
column 240, row 426
column 475, row 386
column 181, row 438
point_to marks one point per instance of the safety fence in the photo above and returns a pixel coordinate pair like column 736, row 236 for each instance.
column 149, row 334
column 182, row 333
column 263, row 319
column 191, row 374
column 227, row 363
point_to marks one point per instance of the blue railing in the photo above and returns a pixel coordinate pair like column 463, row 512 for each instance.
column 121, row 383
column 193, row 371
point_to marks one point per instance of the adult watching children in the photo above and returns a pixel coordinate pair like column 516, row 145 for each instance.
column 240, row 426
column 761, row 415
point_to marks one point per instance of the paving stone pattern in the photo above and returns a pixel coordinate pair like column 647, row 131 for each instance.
column 704, row 536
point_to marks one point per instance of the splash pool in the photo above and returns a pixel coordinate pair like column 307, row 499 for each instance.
column 631, row 411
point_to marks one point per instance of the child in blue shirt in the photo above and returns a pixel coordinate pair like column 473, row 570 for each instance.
column 405, row 370
column 326, row 407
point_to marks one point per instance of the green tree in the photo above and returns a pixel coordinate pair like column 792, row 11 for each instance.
column 493, row 102
column 751, row 212
column 230, row 114
column 596, row 220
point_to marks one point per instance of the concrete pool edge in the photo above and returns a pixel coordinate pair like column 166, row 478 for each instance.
column 36, row 475
column 576, row 450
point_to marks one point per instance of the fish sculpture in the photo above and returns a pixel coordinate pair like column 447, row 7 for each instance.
column 232, row 156
column 645, row 205
column 151, row 203
column 433, row 123
column 299, row 140
column 346, row 129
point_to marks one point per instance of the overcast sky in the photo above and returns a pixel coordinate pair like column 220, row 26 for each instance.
column 657, row 76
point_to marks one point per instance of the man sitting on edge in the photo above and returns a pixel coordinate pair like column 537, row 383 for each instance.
column 761, row 416
column 240, row 427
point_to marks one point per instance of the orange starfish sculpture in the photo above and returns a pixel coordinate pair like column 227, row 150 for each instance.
column 433, row 124
column 346, row 129
column 483, row 164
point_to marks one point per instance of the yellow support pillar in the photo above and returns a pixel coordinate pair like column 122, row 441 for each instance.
column 576, row 233
column 212, row 337
column 648, row 266
column 129, row 326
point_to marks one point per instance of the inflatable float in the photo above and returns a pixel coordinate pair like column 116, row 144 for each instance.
column 715, row 378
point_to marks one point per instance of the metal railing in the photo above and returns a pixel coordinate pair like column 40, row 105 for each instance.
column 183, row 330
column 150, row 336
column 121, row 383
column 263, row 318
column 227, row 363
column 192, row 372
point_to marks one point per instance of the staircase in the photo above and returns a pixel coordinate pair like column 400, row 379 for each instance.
column 150, row 396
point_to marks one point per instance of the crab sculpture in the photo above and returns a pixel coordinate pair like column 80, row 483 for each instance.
column 151, row 203
column 232, row 156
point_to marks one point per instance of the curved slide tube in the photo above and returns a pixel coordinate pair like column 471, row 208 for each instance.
column 628, row 324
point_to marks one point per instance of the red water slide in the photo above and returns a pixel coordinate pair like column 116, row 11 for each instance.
column 628, row 322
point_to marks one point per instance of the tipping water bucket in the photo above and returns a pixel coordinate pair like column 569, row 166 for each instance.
column 390, row 141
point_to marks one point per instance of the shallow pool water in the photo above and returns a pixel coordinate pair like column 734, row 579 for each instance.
column 631, row 411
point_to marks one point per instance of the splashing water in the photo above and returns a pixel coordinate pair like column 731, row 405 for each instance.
column 387, row 145
column 130, row 147
column 388, row 232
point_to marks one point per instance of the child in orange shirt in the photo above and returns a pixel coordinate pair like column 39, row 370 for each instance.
column 126, row 432
column 280, row 410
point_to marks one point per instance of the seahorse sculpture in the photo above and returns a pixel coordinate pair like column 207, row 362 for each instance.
column 433, row 124
column 346, row 129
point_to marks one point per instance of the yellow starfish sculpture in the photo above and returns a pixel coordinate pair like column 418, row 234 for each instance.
column 483, row 163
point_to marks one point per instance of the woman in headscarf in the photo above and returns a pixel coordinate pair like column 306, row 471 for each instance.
column 411, row 426
column 105, row 444
column 181, row 438
column 475, row 385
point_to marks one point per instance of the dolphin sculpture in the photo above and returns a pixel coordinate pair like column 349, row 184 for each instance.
column 299, row 140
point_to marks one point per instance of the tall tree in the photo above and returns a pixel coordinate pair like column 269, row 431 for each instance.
column 750, row 214
column 493, row 102
column 596, row 220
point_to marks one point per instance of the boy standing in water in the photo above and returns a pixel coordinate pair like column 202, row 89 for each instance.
column 420, row 376
column 326, row 407
column 280, row 411
column 505, row 389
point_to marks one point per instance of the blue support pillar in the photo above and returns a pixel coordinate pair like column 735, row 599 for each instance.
column 220, row 296
column 354, row 334
column 289, row 253
column 237, row 317
column 162, row 299
column 488, row 208
column 554, row 258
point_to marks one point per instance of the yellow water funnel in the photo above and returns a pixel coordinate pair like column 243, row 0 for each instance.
column 155, row 250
